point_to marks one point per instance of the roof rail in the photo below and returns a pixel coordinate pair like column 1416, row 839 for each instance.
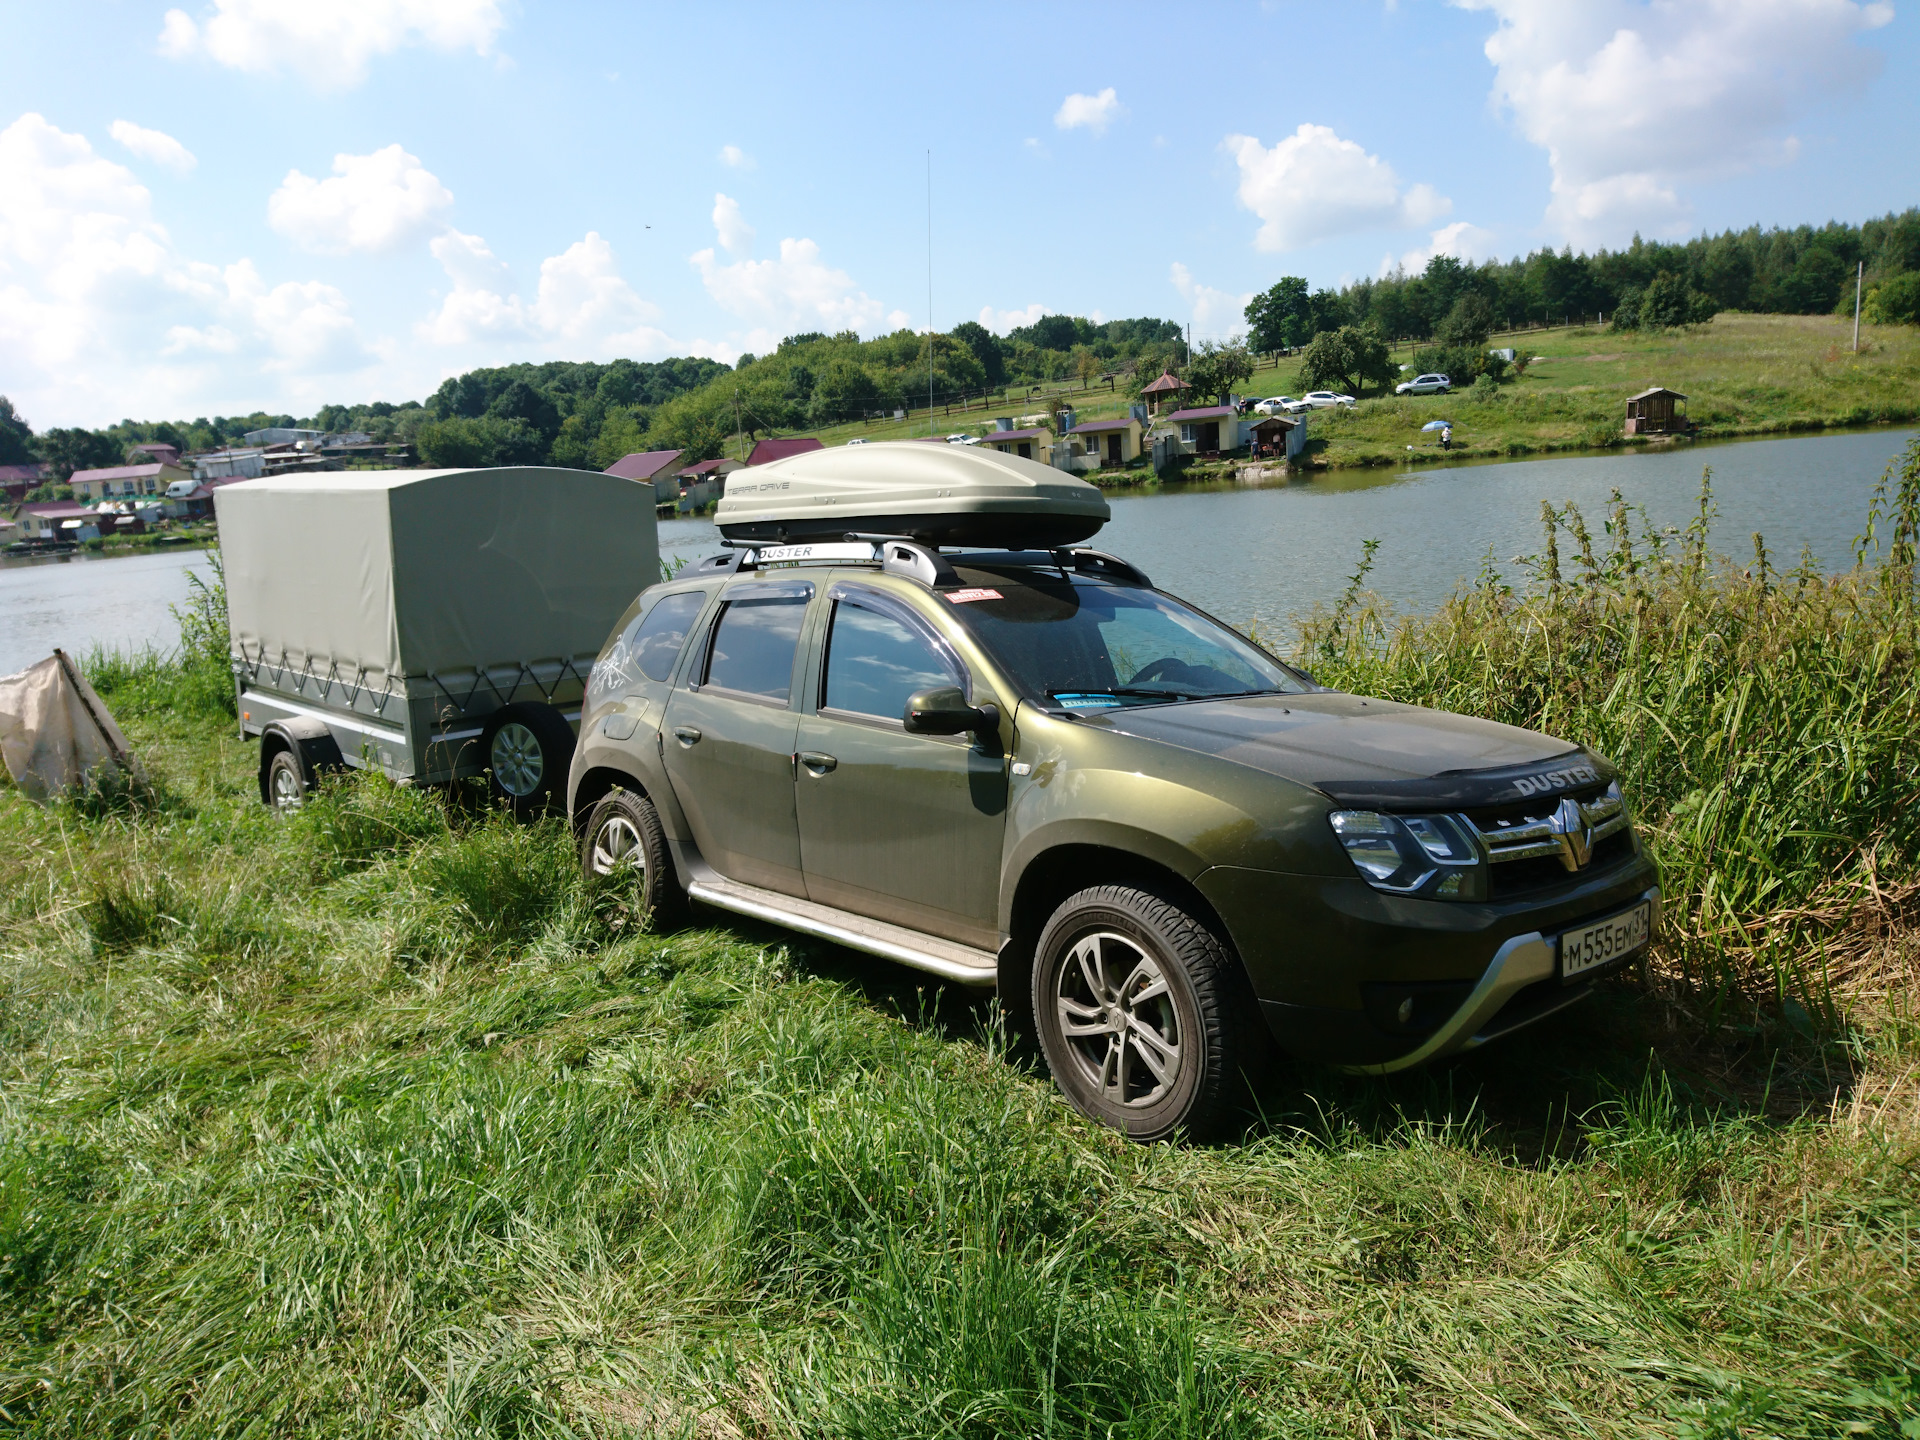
column 901, row 555
column 1098, row 562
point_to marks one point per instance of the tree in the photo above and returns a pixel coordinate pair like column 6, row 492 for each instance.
column 520, row 401
column 1468, row 323
column 1667, row 301
column 986, row 349
column 459, row 443
column 1345, row 359
column 1217, row 368
column 71, row 450
column 16, row 436
column 1280, row 316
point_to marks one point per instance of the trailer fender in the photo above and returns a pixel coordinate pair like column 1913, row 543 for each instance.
column 311, row 743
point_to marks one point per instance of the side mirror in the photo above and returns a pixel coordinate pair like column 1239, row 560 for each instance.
column 944, row 711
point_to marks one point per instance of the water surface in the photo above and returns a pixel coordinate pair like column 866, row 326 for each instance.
column 118, row 602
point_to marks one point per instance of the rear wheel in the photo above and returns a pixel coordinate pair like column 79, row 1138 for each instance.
column 624, row 839
column 1134, row 1004
column 528, row 749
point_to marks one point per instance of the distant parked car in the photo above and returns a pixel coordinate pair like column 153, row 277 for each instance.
column 958, row 439
column 1276, row 405
column 1324, row 400
column 1424, row 385
column 856, row 442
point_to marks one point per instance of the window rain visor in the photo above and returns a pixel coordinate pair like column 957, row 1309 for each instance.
column 1088, row 646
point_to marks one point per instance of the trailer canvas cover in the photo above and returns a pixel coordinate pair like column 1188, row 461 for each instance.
column 404, row 573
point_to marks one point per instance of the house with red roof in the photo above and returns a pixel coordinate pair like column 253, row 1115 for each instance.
column 42, row 520
column 765, row 452
column 17, row 480
column 1110, row 442
column 657, row 468
column 1207, row 429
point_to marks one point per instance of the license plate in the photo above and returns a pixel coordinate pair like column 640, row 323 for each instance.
column 1592, row 946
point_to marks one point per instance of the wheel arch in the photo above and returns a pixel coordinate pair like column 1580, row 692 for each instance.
column 594, row 785
column 311, row 743
column 1069, row 866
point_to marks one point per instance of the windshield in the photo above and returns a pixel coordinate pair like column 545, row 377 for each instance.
column 1093, row 646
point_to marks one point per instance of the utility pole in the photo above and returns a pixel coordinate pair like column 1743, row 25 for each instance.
column 929, row 292
column 1859, row 274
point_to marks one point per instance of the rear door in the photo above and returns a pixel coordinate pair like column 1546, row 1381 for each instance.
column 903, row 828
column 728, row 735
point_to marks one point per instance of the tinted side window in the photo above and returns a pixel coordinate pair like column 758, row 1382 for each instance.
column 754, row 644
column 661, row 636
column 874, row 662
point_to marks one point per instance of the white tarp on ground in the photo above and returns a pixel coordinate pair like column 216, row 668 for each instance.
column 386, row 574
column 55, row 734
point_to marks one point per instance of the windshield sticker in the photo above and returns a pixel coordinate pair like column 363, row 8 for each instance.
column 1087, row 702
column 961, row 597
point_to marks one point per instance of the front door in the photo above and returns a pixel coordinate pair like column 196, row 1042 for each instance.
column 1113, row 448
column 728, row 736
column 1210, row 435
column 903, row 828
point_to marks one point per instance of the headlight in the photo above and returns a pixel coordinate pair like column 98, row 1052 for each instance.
column 1412, row 854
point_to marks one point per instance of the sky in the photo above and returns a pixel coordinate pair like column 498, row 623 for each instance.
column 274, row 204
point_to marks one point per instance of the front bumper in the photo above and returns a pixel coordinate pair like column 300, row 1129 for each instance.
column 1321, row 952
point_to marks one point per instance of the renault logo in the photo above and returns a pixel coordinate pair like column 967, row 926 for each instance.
column 1569, row 822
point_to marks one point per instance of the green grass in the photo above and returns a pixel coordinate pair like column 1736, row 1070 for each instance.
column 380, row 1120
column 1742, row 374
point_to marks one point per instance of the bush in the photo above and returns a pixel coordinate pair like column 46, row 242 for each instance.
column 1895, row 301
column 490, row 440
column 1461, row 364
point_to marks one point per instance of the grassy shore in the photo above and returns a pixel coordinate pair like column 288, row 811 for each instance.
column 379, row 1120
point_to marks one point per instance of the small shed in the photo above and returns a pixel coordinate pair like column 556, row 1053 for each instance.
column 1167, row 389
column 1655, row 412
column 1278, row 435
column 1031, row 444
column 1110, row 442
column 1208, row 429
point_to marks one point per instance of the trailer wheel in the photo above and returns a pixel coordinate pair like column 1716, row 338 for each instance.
column 528, row 749
column 286, row 787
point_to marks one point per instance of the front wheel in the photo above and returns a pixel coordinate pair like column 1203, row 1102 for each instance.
column 527, row 749
column 625, row 840
column 1136, row 1006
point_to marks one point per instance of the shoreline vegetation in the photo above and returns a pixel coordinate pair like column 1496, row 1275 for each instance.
column 379, row 1118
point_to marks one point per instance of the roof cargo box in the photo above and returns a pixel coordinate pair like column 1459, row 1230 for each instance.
column 938, row 494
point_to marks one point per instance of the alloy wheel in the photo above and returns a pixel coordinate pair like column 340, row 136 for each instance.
column 617, row 846
column 284, row 782
column 1117, row 1016
column 517, row 761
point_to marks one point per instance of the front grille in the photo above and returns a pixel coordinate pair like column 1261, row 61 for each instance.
column 1532, row 846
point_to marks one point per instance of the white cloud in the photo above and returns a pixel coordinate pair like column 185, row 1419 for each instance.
column 1632, row 101
column 153, row 145
column 1462, row 240
column 734, row 156
column 1089, row 112
column 736, row 235
column 584, row 308
column 1313, row 186
column 1001, row 321
column 327, row 42
column 372, row 202
column 1216, row 314
column 101, row 316
column 799, row 291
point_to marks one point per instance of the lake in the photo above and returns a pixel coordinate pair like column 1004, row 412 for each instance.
column 1264, row 552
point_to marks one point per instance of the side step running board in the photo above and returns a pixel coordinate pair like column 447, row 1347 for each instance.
column 945, row 958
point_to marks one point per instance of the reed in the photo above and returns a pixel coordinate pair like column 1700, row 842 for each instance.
column 1766, row 723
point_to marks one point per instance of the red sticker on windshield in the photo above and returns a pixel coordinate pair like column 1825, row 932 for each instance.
column 961, row 597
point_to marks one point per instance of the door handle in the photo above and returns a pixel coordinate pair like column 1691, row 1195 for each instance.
column 816, row 762
column 686, row 735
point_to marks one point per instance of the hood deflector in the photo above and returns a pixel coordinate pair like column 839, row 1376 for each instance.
column 1577, row 770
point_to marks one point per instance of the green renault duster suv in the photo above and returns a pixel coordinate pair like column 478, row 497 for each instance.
column 1031, row 769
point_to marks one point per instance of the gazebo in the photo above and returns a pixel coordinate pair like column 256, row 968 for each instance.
column 1652, row 412
column 1166, row 388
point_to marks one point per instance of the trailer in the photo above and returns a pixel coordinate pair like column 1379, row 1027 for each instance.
column 429, row 624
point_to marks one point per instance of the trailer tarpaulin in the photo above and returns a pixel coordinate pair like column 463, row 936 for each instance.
column 373, row 577
column 56, row 735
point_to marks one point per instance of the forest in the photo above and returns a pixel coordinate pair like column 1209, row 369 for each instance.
column 589, row 415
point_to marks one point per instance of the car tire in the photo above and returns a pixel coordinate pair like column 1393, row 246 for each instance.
column 286, row 787
column 1138, row 1008
column 624, row 834
column 526, row 749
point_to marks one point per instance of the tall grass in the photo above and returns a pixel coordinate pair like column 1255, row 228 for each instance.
column 1766, row 723
column 378, row 1119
